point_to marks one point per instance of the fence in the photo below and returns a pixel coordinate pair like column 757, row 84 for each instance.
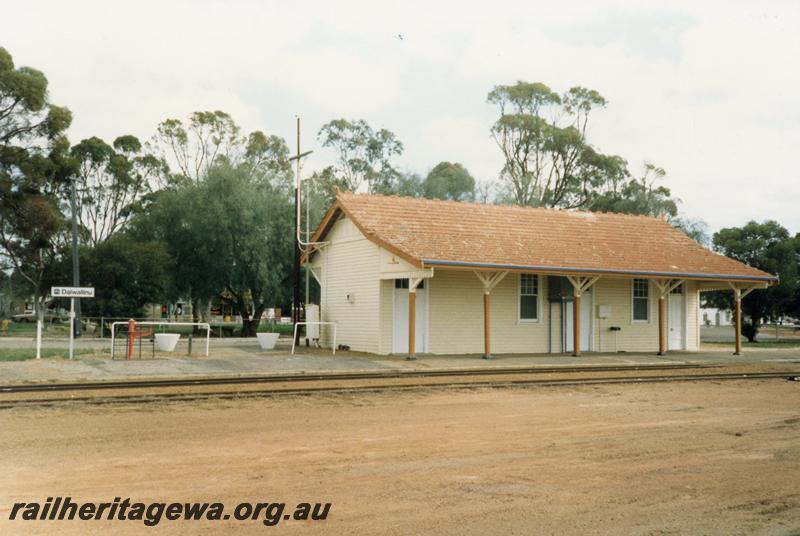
column 99, row 327
column 165, row 325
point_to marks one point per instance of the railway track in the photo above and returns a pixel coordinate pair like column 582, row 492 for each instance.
column 324, row 388
column 307, row 377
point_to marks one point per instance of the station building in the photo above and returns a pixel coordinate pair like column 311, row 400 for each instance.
column 413, row 276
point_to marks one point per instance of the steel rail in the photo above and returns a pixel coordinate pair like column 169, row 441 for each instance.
column 366, row 389
column 332, row 376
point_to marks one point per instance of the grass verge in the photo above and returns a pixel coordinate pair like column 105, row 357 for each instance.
column 21, row 329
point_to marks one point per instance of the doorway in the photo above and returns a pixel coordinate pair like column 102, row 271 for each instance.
column 586, row 324
column 400, row 318
column 676, row 319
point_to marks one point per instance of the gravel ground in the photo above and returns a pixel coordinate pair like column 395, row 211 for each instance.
column 687, row 458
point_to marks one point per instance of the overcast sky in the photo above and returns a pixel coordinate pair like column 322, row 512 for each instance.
column 706, row 90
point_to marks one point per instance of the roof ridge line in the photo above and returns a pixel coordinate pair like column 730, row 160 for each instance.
column 494, row 206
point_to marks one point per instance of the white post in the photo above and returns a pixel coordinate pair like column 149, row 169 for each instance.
column 113, row 325
column 294, row 336
column 38, row 338
column 71, row 327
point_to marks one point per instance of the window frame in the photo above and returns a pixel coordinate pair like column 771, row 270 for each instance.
column 635, row 320
column 538, row 296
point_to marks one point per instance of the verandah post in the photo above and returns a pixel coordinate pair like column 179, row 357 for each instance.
column 487, row 305
column 489, row 282
column 412, row 319
column 738, row 294
column 662, row 347
column 737, row 299
column 576, row 323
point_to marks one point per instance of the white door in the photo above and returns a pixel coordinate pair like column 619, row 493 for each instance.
column 400, row 319
column 586, row 324
column 676, row 320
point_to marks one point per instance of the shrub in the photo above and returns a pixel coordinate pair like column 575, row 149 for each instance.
column 749, row 330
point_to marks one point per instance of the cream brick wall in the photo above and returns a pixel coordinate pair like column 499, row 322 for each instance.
column 349, row 265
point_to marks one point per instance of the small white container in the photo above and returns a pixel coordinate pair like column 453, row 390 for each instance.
column 267, row 340
column 166, row 342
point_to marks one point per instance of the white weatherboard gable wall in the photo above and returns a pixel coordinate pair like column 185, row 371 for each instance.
column 348, row 265
column 351, row 265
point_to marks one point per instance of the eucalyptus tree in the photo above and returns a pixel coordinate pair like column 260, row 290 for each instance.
column 449, row 180
column 644, row 195
column 229, row 235
column 178, row 219
column 363, row 155
column 543, row 138
column 191, row 148
column 257, row 263
column 112, row 184
column 34, row 173
column 485, row 191
column 409, row 184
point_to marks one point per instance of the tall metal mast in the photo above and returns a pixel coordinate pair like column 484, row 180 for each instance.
column 297, row 251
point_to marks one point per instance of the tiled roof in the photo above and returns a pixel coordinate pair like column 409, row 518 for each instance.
column 440, row 233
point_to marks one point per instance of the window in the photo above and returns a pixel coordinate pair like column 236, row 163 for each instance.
column 641, row 300
column 677, row 290
column 528, row 297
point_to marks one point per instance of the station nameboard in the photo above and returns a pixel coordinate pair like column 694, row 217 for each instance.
column 72, row 292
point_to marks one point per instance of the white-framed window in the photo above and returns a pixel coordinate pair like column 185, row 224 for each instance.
column 528, row 298
column 641, row 300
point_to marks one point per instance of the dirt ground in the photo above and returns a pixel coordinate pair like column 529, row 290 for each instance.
column 679, row 458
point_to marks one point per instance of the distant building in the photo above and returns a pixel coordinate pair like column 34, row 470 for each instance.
column 711, row 316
